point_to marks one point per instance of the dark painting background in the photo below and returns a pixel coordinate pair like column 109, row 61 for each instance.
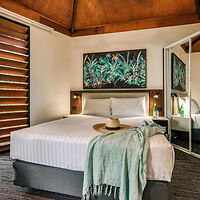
column 178, row 74
column 115, row 69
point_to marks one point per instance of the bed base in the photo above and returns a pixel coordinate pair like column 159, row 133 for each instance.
column 70, row 182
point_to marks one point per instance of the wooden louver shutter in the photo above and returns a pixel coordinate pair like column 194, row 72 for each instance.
column 14, row 79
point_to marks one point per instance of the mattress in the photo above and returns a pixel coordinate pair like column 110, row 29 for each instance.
column 63, row 143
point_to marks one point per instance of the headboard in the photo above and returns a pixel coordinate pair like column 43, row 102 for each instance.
column 97, row 95
column 77, row 97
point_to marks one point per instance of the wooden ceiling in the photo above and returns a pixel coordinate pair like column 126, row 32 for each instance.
column 86, row 17
column 195, row 45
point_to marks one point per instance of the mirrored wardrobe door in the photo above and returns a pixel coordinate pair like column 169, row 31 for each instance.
column 195, row 94
column 180, row 118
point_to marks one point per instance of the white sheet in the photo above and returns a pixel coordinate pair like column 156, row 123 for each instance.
column 63, row 143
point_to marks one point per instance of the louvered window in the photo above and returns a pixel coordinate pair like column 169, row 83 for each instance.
column 14, row 79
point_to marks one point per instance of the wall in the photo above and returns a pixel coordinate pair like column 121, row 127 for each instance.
column 195, row 73
column 49, row 84
column 56, row 63
column 154, row 40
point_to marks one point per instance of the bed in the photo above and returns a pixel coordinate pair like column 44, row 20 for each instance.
column 51, row 156
column 55, row 152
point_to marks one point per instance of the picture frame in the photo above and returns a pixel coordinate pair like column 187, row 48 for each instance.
column 178, row 73
column 115, row 69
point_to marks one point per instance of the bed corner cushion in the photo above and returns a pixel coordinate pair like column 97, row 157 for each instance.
column 119, row 160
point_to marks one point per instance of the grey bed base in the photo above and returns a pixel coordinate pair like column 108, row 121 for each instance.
column 70, row 182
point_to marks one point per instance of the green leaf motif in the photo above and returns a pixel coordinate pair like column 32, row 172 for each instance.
column 115, row 69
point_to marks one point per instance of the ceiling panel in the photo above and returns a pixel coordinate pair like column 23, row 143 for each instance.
column 57, row 10
column 195, row 45
column 99, row 12
column 105, row 16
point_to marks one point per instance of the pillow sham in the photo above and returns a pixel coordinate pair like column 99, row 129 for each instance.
column 194, row 107
column 128, row 107
column 98, row 107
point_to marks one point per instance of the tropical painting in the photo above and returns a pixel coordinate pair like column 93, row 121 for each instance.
column 178, row 73
column 116, row 69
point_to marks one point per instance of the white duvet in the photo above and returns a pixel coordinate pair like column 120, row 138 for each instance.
column 63, row 143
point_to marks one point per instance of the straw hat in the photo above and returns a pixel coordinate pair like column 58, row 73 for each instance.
column 112, row 125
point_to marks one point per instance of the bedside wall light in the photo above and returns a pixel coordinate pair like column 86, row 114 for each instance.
column 156, row 95
column 174, row 95
column 76, row 96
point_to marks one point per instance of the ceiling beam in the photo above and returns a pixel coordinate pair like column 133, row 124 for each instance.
column 56, row 26
column 74, row 15
column 198, row 7
column 193, row 43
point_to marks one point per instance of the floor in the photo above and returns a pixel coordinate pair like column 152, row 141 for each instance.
column 184, row 142
column 185, row 182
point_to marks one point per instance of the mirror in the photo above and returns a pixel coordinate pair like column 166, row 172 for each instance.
column 195, row 94
column 182, row 93
column 180, row 125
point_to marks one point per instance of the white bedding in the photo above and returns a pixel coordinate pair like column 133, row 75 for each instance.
column 63, row 143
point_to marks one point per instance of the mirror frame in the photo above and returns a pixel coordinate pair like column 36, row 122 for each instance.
column 167, row 88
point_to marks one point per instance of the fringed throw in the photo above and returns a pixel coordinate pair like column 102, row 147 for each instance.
column 97, row 190
column 116, row 163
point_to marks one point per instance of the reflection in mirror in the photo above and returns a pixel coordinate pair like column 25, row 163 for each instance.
column 195, row 94
column 180, row 96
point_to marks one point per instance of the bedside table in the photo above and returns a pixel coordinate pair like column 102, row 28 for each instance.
column 162, row 121
column 180, row 123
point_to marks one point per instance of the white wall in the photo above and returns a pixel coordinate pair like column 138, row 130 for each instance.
column 49, row 78
column 195, row 76
column 154, row 40
column 56, row 63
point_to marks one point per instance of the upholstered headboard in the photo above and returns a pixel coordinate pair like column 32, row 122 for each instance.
column 77, row 98
column 97, row 95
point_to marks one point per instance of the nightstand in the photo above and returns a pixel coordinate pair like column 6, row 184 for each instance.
column 180, row 123
column 162, row 121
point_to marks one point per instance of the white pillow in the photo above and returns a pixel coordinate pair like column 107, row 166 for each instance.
column 128, row 107
column 194, row 107
column 99, row 107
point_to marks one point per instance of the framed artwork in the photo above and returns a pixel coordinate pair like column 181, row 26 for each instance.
column 178, row 74
column 115, row 69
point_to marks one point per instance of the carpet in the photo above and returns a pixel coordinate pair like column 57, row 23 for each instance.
column 185, row 183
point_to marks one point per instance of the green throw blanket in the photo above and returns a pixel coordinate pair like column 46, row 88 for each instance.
column 118, row 160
